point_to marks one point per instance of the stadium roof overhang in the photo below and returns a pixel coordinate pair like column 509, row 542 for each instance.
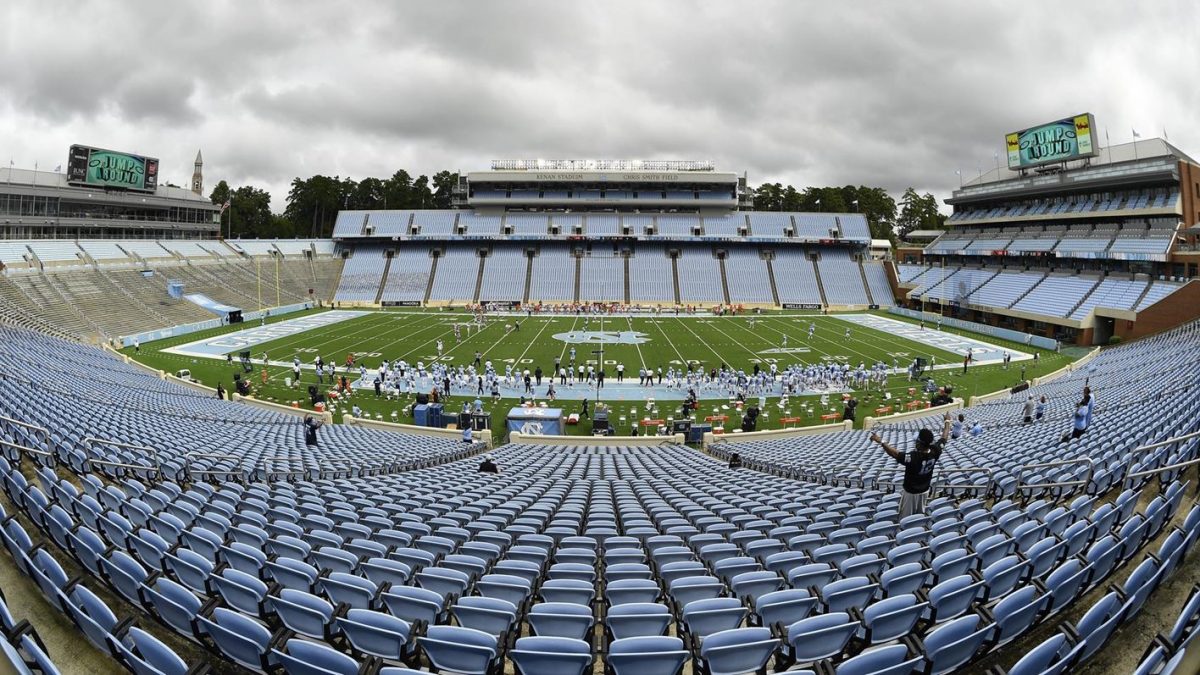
column 1143, row 173
column 601, row 177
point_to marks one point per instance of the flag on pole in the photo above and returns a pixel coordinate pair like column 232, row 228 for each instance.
column 1136, row 134
column 228, row 203
column 58, row 168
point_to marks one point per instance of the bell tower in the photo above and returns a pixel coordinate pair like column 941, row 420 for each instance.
column 198, row 175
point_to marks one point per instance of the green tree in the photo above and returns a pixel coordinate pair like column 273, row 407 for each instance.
column 919, row 212
column 443, row 189
column 249, row 214
column 768, row 197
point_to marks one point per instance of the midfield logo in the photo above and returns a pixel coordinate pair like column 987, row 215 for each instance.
column 603, row 337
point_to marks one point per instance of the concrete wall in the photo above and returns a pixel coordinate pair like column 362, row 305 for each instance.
column 608, row 441
column 871, row 422
column 711, row 439
column 414, row 430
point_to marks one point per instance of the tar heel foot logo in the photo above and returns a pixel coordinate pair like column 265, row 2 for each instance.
column 603, row 337
column 532, row 429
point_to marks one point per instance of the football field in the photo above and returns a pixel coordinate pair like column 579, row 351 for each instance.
column 665, row 341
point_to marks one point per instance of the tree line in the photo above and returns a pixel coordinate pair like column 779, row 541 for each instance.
column 313, row 204
column 887, row 218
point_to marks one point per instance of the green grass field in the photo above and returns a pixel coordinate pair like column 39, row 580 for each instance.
column 669, row 341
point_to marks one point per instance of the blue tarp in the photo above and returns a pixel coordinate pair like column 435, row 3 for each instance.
column 536, row 421
column 211, row 305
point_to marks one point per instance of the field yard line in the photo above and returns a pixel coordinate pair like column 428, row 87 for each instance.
column 892, row 340
column 302, row 339
column 867, row 357
column 435, row 339
column 912, row 345
column 563, row 354
column 813, row 347
column 529, row 344
column 682, row 358
column 739, row 343
column 374, row 325
column 720, row 359
column 636, row 345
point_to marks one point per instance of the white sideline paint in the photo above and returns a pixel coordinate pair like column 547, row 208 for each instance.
column 217, row 347
column 981, row 352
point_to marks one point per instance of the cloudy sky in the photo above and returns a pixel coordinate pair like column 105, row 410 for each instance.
column 885, row 92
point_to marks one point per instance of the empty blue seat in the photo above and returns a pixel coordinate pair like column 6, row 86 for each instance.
column 1052, row 657
column 954, row 643
column 737, row 651
column 489, row 615
column 303, row 613
column 174, row 605
column 821, row 636
column 891, row 618
column 241, row 591
column 144, row 654
column 561, row 619
column 687, row 589
column 567, row 590
column 622, row 591
column 637, row 620
column 239, row 638
column 1017, row 612
column 94, row 618
column 659, row 655
column 414, row 605
column 888, row 660
column 844, row 594
column 551, row 656
column 953, row 597
column 374, row 633
column 712, row 615
column 312, row 658
column 460, row 650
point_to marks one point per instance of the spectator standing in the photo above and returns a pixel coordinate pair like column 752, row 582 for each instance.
column 918, row 464
column 311, row 424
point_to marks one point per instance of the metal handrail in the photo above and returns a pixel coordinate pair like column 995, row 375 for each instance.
column 155, row 469
column 27, row 425
column 32, row 451
column 1091, row 465
column 1161, row 469
column 987, row 489
column 240, row 474
column 154, row 472
column 1140, row 451
column 830, row 473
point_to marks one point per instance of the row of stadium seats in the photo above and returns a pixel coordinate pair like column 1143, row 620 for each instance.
column 1061, row 295
column 1131, row 383
column 124, row 300
column 568, row 546
column 1142, row 244
column 378, row 549
column 115, row 252
column 525, row 197
column 21, row 648
column 445, row 224
column 604, row 276
column 1120, row 202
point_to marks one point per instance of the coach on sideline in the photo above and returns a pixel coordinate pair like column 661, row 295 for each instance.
column 919, row 464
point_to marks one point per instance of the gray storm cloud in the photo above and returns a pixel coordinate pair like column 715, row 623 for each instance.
column 870, row 92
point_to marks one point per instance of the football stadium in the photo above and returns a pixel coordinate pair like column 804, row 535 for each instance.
column 620, row 416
